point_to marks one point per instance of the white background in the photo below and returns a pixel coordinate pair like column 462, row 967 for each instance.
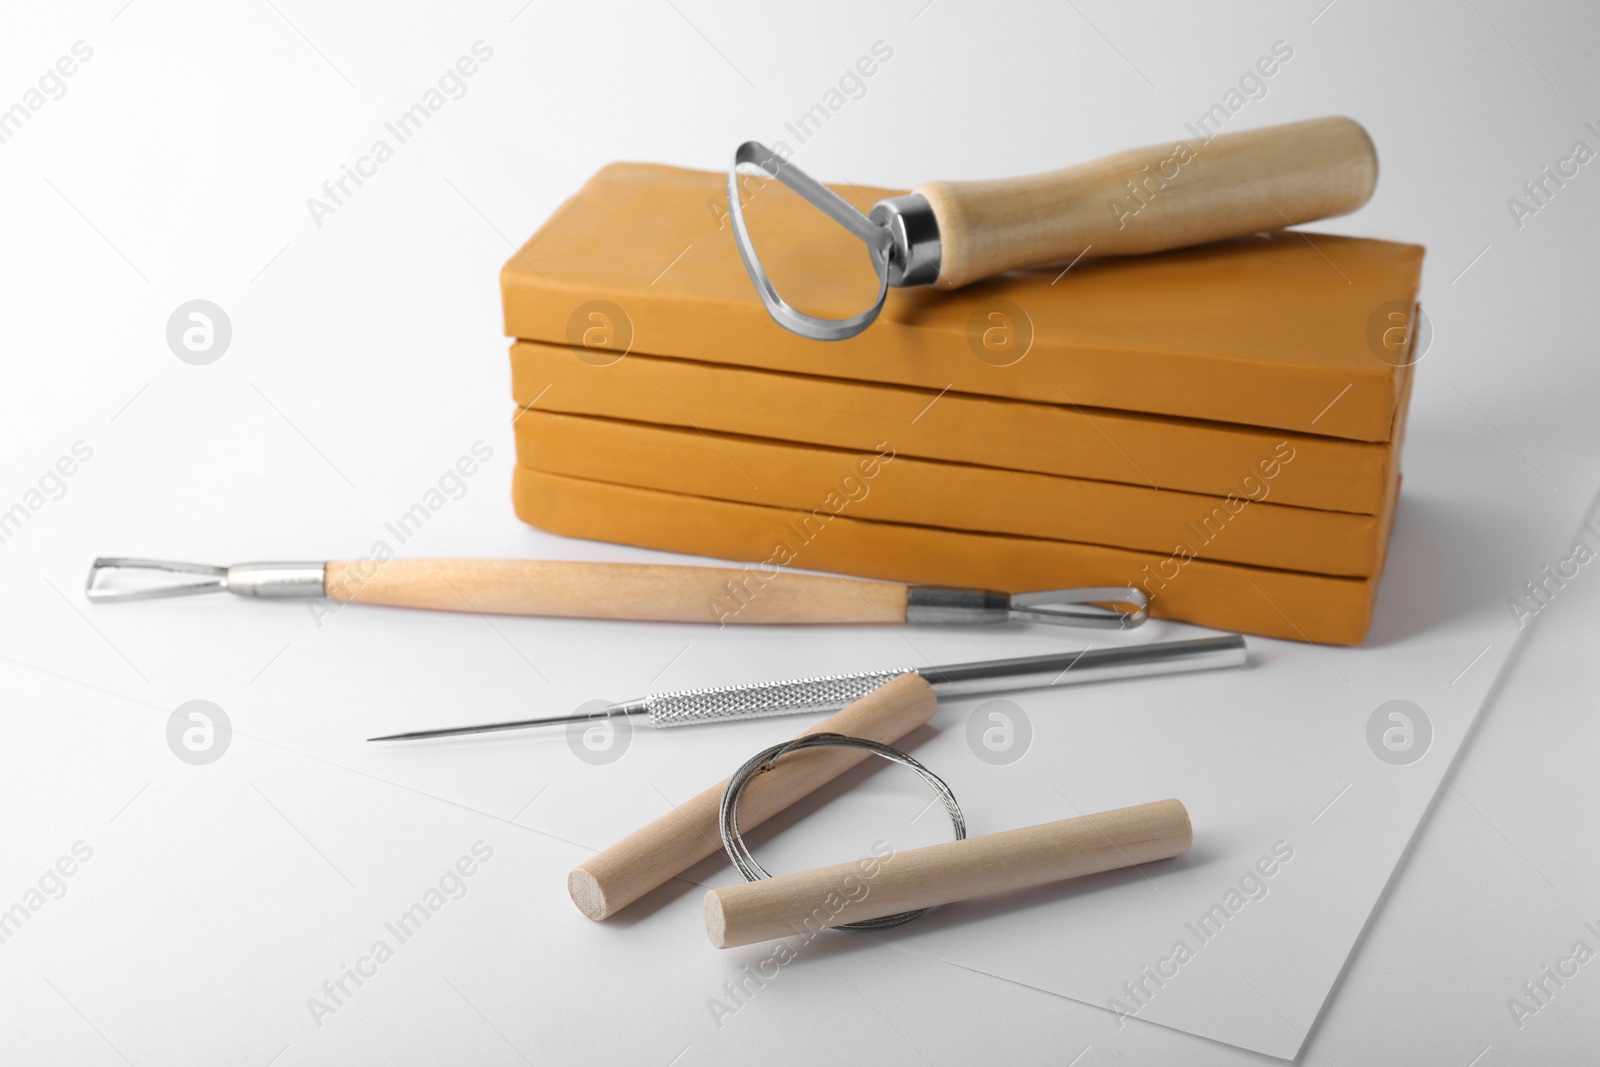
column 366, row 358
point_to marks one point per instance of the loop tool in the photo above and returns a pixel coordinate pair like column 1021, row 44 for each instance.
column 1165, row 196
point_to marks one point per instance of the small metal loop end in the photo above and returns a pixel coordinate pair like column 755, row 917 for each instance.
column 1105, row 607
column 270, row 580
column 878, row 239
column 214, row 580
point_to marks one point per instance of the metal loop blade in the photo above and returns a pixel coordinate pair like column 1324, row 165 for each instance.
column 877, row 238
column 216, row 579
column 1097, row 607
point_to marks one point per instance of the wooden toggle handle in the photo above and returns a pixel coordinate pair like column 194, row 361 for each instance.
column 943, row 874
column 647, row 858
column 614, row 591
column 1152, row 199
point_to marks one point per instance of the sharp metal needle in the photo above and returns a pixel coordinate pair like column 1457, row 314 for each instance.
column 487, row 727
column 827, row 694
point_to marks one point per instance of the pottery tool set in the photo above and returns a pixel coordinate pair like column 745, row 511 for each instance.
column 1080, row 398
column 870, row 709
column 1217, row 425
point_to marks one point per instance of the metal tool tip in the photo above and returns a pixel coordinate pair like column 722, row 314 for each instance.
column 144, row 587
column 1110, row 607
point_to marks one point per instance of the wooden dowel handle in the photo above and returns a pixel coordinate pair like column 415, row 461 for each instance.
column 648, row 857
column 1151, row 199
column 614, row 591
column 942, row 874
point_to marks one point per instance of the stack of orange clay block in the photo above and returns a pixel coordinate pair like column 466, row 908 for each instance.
column 1219, row 426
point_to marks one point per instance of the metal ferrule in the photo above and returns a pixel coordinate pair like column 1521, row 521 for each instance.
column 946, row 604
column 915, row 254
column 630, row 707
column 275, row 580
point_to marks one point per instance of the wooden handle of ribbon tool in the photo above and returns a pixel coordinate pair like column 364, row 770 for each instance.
column 647, row 858
column 943, row 874
column 1170, row 195
column 613, row 591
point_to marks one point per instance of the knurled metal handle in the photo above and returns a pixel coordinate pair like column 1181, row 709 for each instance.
column 825, row 694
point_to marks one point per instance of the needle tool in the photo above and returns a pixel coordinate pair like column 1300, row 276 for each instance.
column 830, row 693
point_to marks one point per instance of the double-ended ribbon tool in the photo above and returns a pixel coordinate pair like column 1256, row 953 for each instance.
column 1166, row 196
column 641, row 592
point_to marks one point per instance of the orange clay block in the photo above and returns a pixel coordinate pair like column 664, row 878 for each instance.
column 1144, row 450
column 1226, row 596
column 1286, row 330
column 885, row 486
